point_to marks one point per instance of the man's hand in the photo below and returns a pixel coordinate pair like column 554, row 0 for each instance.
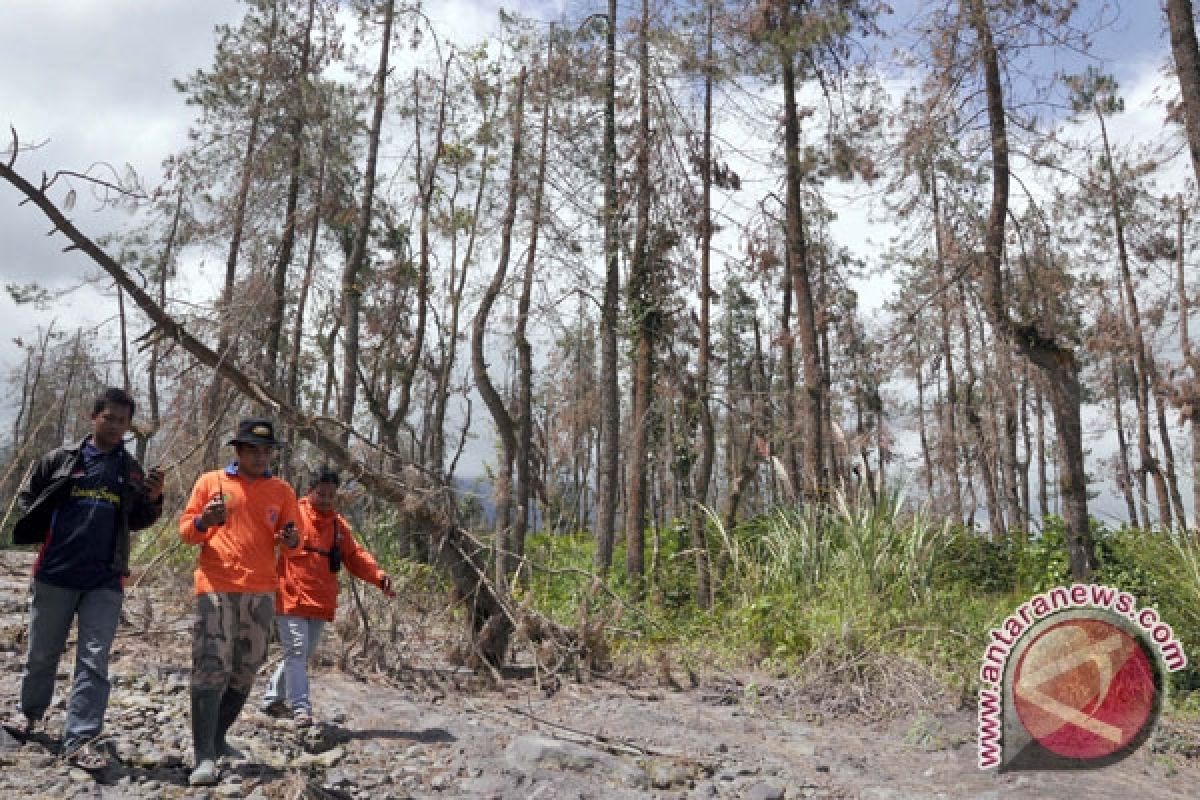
column 154, row 484
column 290, row 536
column 213, row 513
column 385, row 584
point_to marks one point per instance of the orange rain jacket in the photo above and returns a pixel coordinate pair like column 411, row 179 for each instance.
column 307, row 586
column 239, row 556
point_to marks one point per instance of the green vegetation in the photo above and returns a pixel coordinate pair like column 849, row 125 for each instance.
column 818, row 593
column 802, row 593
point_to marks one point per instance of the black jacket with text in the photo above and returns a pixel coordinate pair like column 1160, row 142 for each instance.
column 50, row 480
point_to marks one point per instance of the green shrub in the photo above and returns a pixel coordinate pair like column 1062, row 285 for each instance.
column 849, row 581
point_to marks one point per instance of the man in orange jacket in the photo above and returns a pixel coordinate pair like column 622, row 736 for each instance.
column 308, row 592
column 238, row 515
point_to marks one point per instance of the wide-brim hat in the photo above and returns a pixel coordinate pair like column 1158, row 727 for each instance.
column 255, row 430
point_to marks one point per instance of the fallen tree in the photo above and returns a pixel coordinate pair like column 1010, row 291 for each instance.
column 427, row 507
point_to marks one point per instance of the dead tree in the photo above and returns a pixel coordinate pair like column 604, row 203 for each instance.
column 490, row 623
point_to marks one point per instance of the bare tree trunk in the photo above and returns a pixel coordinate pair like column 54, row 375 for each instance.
column 351, row 274
column 1186, row 53
column 456, row 285
column 861, row 434
column 797, row 252
column 149, row 429
column 212, row 403
column 986, row 459
column 487, row 390
column 1160, row 406
column 36, row 383
column 72, row 371
column 1133, row 319
column 707, row 444
column 287, row 243
column 1124, row 479
column 643, row 309
column 1026, row 440
column 25, row 406
column 787, row 355
column 610, row 405
column 1005, row 376
column 524, row 445
column 949, row 437
column 1182, row 27
column 919, row 375
column 1187, row 395
column 293, row 367
column 837, row 456
column 1057, row 362
column 1043, row 481
column 427, row 182
column 742, row 465
column 126, row 384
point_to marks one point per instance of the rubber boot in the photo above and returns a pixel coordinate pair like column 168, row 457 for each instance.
column 232, row 702
column 205, row 709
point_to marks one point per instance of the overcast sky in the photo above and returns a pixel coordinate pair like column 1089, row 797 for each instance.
column 91, row 81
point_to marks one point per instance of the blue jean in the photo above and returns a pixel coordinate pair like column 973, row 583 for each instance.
column 299, row 637
column 50, row 617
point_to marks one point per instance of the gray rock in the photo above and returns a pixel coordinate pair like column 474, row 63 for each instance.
column 664, row 776
column 373, row 776
column 150, row 758
column 802, row 748
column 879, row 793
column 705, row 789
column 489, row 786
column 528, row 753
column 764, row 791
column 337, row 779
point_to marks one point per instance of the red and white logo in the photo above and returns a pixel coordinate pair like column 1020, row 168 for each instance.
column 1084, row 688
column 1073, row 679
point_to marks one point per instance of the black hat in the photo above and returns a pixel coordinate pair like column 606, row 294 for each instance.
column 326, row 474
column 255, row 430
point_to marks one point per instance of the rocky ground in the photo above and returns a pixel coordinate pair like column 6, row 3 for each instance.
column 432, row 731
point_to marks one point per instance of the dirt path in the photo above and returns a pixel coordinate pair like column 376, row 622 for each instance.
column 437, row 733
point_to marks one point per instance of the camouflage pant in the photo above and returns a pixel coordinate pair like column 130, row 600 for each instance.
column 229, row 639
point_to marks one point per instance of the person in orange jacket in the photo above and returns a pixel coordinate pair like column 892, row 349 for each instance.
column 307, row 595
column 239, row 516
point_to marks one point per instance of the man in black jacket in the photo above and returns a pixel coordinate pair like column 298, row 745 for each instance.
column 81, row 503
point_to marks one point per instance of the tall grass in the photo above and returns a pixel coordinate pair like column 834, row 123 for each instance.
column 849, row 578
column 868, row 549
column 850, row 583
